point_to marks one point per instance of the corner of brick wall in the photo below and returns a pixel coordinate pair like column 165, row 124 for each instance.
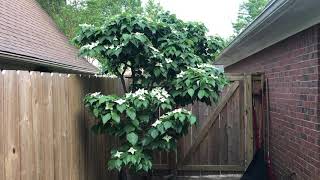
column 292, row 67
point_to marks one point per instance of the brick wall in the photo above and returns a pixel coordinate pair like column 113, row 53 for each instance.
column 292, row 67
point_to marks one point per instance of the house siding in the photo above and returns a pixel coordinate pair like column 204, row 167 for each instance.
column 292, row 68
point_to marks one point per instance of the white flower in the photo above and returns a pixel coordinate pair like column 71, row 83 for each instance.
column 168, row 60
column 206, row 65
column 96, row 94
column 156, row 123
column 141, row 98
column 86, row 25
column 90, row 46
column 132, row 150
column 117, row 47
column 118, row 154
column 120, row 101
column 167, row 138
column 159, row 65
column 181, row 74
column 154, row 49
column 137, row 33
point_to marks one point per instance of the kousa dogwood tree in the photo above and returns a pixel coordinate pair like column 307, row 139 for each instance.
column 164, row 65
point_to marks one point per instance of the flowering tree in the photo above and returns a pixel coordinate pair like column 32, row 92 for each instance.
column 166, row 61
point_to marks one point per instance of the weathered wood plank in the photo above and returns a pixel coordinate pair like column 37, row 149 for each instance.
column 2, row 129
column 26, row 127
column 36, row 119
column 46, row 128
column 213, row 117
column 60, row 114
column 11, row 125
column 248, row 115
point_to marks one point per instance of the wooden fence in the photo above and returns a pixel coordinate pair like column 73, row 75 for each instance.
column 223, row 139
column 45, row 129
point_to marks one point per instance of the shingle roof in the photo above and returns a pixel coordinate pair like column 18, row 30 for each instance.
column 27, row 30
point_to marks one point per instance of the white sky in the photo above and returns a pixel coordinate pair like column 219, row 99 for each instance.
column 217, row 15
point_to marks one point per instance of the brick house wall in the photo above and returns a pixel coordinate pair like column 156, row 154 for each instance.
column 292, row 67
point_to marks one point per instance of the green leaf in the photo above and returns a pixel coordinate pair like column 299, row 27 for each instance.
column 190, row 92
column 106, row 118
column 129, row 128
column 121, row 108
column 131, row 113
column 132, row 138
column 193, row 119
column 167, row 124
column 135, row 122
column 96, row 112
column 154, row 133
column 115, row 117
column 201, row 94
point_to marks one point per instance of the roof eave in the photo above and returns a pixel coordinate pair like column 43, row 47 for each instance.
column 55, row 65
column 279, row 20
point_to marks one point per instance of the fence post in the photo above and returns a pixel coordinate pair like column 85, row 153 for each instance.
column 248, row 119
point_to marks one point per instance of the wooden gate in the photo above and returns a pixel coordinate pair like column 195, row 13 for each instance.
column 222, row 141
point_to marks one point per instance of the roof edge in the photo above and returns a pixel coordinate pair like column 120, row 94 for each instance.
column 52, row 64
column 278, row 21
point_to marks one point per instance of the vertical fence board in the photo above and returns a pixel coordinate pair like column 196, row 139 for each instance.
column 60, row 114
column 2, row 129
column 36, row 119
column 74, row 117
column 46, row 128
column 11, row 125
column 26, row 127
column 248, row 113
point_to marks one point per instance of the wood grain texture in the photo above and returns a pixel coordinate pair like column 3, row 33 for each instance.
column 11, row 126
column 26, row 127
column 45, row 129
column 2, row 129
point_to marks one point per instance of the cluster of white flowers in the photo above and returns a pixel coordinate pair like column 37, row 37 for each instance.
column 168, row 60
column 140, row 93
column 86, row 25
column 159, row 65
column 206, row 65
column 196, row 70
column 179, row 110
column 120, row 101
column 167, row 138
column 181, row 74
column 154, row 49
column 96, row 94
column 137, row 33
column 156, row 123
column 160, row 93
column 90, row 46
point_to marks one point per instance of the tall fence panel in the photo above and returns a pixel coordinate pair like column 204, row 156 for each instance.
column 222, row 140
column 45, row 128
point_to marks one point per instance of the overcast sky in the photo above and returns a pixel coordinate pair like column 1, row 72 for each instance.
column 217, row 15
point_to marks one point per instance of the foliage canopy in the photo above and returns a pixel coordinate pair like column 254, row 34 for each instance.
column 167, row 62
